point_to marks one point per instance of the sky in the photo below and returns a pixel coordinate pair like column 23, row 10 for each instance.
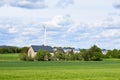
column 69, row 23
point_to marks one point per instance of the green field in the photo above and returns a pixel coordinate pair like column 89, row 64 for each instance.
column 60, row 70
column 9, row 57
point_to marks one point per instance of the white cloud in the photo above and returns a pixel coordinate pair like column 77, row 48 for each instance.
column 110, row 33
column 27, row 32
column 60, row 21
column 84, row 26
column 64, row 3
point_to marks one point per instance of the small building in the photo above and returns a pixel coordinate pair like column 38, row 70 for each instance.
column 67, row 50
column 104, row 51
column 35, row 48
column 76, row 50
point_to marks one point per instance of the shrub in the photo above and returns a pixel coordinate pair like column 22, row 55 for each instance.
column 29, row 58
column 43, row 55
column 23, row 56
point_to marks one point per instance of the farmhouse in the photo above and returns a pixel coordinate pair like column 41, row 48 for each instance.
column 35, row 48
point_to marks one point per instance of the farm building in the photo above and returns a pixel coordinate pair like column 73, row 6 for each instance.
column 35, row 48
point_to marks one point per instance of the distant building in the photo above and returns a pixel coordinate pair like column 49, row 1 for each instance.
column 59, row 49
column 76, row 50
column 67, row 50
column 35, row 48
column 104, row 51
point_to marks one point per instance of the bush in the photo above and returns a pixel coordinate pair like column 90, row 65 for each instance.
column 23, row 56
column 43, row 55
column 60, row 56
column 29, row 58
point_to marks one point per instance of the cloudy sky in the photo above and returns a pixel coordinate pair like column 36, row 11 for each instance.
column 75, row 23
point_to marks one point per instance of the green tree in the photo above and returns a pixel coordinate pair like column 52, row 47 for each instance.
column 85, row 54
column 109, row 54
column 95, row 53
column 24, row 50
column 60, row 56
column 115, row 53
column 23, row 56
column 43, row 55
column 78, row 56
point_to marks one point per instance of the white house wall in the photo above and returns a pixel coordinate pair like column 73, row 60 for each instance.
column 31, row 52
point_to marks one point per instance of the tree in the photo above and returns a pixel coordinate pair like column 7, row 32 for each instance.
column 95, row 53
column 24, row 50
column 85, row 54
column 60, row 56
column 115, row 53
column 23, row 56
column 109, row 54
column 43, row 55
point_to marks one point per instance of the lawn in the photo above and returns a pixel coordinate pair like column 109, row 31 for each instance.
column 60, row 70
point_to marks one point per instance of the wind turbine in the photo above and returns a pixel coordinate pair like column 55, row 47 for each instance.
column 44, row 35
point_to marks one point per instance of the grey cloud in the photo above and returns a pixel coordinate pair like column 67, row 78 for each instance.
column 1, row 3
column 117, row 4
column 28, row 4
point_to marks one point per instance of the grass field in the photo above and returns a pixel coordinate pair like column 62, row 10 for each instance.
column 9, row 57
column 60, row 70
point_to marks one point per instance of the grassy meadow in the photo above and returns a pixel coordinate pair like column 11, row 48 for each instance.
column 59, row 70
column 9, row 57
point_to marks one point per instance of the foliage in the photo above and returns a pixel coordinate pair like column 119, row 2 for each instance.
column 43, row 55
column 29, row 58
column 109, row 54
column 113, row 53
column 67, row 56
column 85, row 54
column 94, row 54
column 60, row 56
column 13, row 49
column 24, row 50
column 23, row 56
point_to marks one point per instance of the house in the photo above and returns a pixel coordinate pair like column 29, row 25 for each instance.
column 104, row 51
column 67, row 50
column 76, row 50
column 35, row 48
column 59, row 49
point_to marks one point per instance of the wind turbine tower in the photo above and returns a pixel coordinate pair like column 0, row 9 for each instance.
column 45, row 35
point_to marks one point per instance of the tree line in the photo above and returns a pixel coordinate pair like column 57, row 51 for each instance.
column 115, row 53
column 92, row 54
column 12, row 49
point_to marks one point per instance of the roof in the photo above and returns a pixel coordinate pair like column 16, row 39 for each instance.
column 36, row 48
column 76, row 49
